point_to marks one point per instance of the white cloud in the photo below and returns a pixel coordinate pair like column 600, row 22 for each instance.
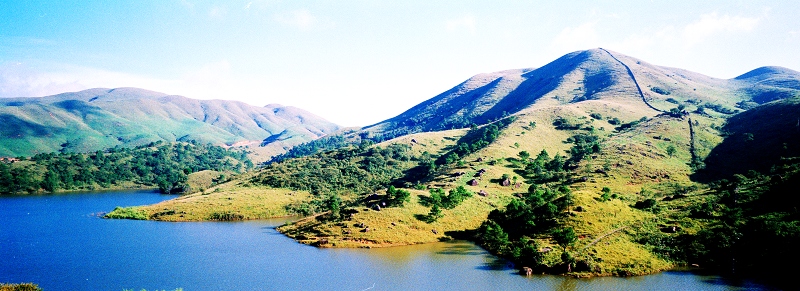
column 301, row 19
column 576, row 38
column 713, row 23
column 18, row 80
column 467, row 22
column 213, row 80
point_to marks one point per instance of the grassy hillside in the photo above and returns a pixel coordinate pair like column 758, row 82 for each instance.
column 607, row 165
column 96, row 119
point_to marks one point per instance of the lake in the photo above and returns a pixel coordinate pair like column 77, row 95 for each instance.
column 60, row 243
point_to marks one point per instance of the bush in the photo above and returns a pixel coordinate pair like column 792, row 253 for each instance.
column 225, row 216
column 19, row 287
column 127, row 213
column 660, row 91
column 646, row 204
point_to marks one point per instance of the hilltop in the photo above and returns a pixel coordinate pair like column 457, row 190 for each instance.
column 596, row 74
column 101, row 118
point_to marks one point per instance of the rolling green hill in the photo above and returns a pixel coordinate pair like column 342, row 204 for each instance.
column 99, row 118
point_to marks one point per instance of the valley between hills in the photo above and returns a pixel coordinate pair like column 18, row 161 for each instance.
column 595, row 164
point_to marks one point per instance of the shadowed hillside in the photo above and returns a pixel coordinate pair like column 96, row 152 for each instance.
column 756, row 140
column 101, row 118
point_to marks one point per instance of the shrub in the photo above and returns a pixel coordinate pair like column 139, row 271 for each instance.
column 19, row 287
column 127, row 213
column 646, row 204
column 660, row 91
column 225, row 216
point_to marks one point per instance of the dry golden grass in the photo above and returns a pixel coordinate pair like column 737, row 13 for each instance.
column 393, row 226
column 249, row 202
column 603, row 229
column 434, row 143
column 203, row 180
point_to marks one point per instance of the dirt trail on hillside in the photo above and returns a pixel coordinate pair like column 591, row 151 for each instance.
column 638, row 88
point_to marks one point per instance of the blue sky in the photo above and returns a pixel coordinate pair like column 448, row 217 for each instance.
column 359, row 62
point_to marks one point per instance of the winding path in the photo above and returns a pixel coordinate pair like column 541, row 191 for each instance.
column 630, row 73
column 602, row 237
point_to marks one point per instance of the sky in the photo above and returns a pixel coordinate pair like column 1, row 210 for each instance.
column 357, row 63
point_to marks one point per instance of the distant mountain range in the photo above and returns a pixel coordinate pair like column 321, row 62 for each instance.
column 100, row 118
column 596, row 74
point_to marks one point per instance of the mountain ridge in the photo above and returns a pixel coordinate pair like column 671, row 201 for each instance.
column 98, row 118
column 584, row 75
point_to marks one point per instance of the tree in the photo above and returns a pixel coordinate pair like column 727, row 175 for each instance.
column 50, row 182
column 492, row 237
column 333, row 203
column 5, row 178
column 671, row 150
column 397, row 197
column 434, row 214
column 606, row 194
column 455, row 197
column 524, row 156
column 564, row 237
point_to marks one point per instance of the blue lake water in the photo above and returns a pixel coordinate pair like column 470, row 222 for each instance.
column 58, row 242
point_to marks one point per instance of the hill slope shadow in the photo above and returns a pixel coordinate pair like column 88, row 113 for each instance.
column 756, row 140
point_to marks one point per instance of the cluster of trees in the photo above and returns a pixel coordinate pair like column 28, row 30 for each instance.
column 631, row 124
column 161, row 164
column 563, row 123
column 475, row 139
column 359, row 170
column 312, row 147
column 753, row 225
column 396, row 197
column 509, row 233
column 679, row 111
column 439, row 200
column 543, row 168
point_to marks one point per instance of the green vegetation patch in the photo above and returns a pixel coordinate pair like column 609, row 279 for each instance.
column 127, row 213
column 162, row 165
